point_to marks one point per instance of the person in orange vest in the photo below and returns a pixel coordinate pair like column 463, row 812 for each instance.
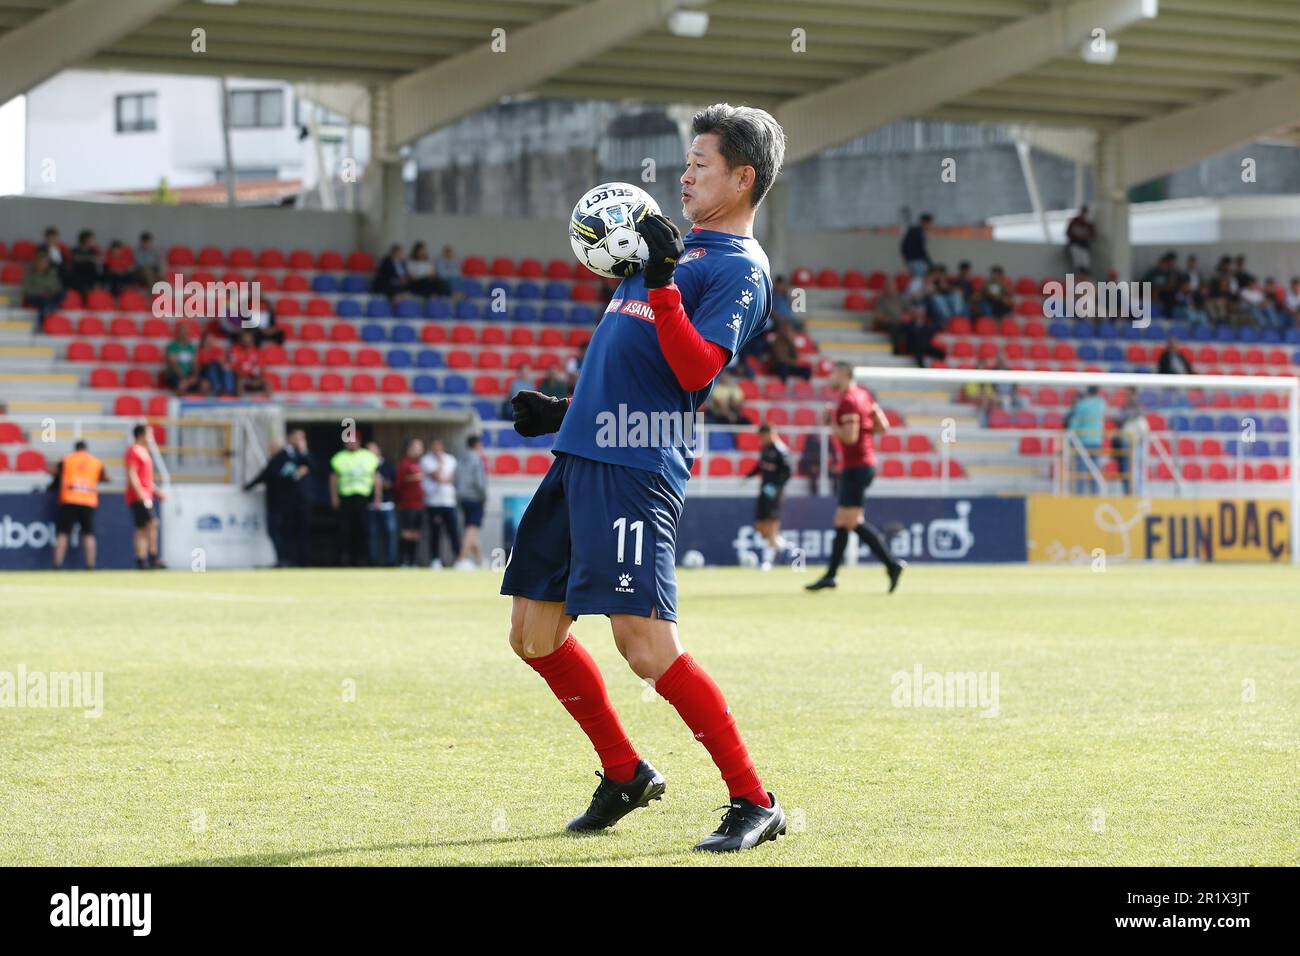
column 78, row 479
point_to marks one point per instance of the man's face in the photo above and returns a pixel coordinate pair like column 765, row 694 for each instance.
column 840, row 378
column 435, row 447
column 708, row 186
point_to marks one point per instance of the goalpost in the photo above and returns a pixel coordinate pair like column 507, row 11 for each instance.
column 1181, row 399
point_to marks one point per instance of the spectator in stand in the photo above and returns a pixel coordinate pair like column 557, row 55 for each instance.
column 84, row 268
column 1240, row 273
column 439, row 484
column 995, row 298
column 408, row 494
column 919, row 339
column 522, row 382
column 553, row 383
column 1192, row 276
column 782, row 304
column 77, row 478
column 725, row 402
column 1086, row 420
column 140, row 496
column 354, row 487
column 215, row 371
column 471, row 496
column 42, row 289
column 246, row 363
column 942, row 299
column 573, row 366
column 964, row 282
column 914, row 250
column 392, row 278
column 383, row 512
column 1127, row 442
column 1079, row 234
column 420, row 268
column 982, row 395
column 1163, row 277
column 180, row 368
column 119, row 266
column 1260, row 307
column 148, row 262
column 1172, row 361
column 785, row 355
column 889, row 315
column 1221, row 292
column 447, row 270
column 1185, row 305
column 287, row 501
column 53, row 247
column 1007, row 396
column 1292, row 300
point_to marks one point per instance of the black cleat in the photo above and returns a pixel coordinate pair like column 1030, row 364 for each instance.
column 895, row 573
column 613, row 801
column 820, row 583
column 745, row 825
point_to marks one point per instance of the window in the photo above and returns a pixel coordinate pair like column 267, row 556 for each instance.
column 137, row 112
column 256, row 109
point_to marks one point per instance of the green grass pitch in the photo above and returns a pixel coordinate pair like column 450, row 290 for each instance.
column 1146, row 715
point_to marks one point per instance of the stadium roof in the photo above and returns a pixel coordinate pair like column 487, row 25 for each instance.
column 1198, row 77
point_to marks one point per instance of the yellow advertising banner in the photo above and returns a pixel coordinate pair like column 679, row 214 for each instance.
column 1070, row 530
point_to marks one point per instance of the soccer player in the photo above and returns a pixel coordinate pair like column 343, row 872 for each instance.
column 140, row 495
column 854, row 420
column 599, row 536
column 774, row 466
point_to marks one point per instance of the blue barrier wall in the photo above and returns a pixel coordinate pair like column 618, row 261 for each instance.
column 27, row 533
column 975, row 529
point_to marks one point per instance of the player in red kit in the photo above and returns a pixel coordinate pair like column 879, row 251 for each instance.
column 854, row 420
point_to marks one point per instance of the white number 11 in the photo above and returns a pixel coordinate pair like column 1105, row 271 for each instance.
column 622, row 526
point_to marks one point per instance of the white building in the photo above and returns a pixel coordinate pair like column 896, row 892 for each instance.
column 114, row 132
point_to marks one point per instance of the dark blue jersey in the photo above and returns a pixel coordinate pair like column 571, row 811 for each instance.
column 628, row 408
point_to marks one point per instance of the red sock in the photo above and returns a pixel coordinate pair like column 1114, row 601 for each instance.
column 574, row 678
column 701, row 704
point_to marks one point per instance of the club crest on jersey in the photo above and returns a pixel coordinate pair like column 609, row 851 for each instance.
column 696, row 253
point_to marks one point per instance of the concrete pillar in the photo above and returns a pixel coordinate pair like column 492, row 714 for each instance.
column 774, row 211
column 1110, row 196
column 382, row 195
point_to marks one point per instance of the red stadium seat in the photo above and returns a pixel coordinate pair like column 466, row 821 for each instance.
column 146, row 353
column 518, row 358
column 99, row 300
column 369, row 358
column 463, row 334
column 550, row 338
column 298, row 382
column 10, row 434
column 486, row 385
column 474, row 266
column 504, row 464
column 892, row 468
column 459, row 358
column 80, row 352
column 302, row 260
column 361, row 262
column 801, row 277
column 584, row 292
column 338, row 358
column 828, row 279
column 393, row 383
column 490, row 359
column 139, row 378
column 492, row 335
column 157, row 407
column 531, row 269
column 890, row 444
column 343, row 332
column 311, row 332
column 306, row 356
column 180, row 256
column 919, row 445
column 30, row 460
column 319, row 307
column 57, row 324
column 920, row 468
column 294, row 282
column 128, row 405
column 287, row 308
column 362, row 383
column 433, row 334
column 211, row 256
column 502, row 267
column 855, row 302
column 23, row 250
column 330, row 260
column 132, row 300
column 854, row 279
column 776, row 415
column 123, row 328
column 273, row 354
column 538, row 464
column 559, row 269
column 330, row 382
column 270, row 259
column 721, row 467
column 90, row 325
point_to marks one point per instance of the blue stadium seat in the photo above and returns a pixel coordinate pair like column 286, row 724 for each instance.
column 471, row 288
column 1117, row 368
column 373, row 332
column 528, row 290
column 1202, row 333
column 1112, row 353
column 583, row 315
column 1275, row 424
column 509, row 438
column 1230, row 447
column 324, row 283
column 429, row 358
column 1203, row 423
column 1282, row 448
column 1082, row 330
column 488, row 411
column 1295, row 358
column 437, row 308
column 498, row 310
column 488, row 436
column 424, row 384
column 348, row 309
column 354, row 284
column 455, row 385
column 1271, row 337
column 399, row 358
column 1058, row 330
column 1086, row 353
column 553, row 315
column 1107, row 330
column 451, row 403
column 1156, row 333
column 1229, row 423
column 524, row 313
column 1248, row 333
column 468, row 311
column 722, row 441
column 407, row 309
column 1260, row 448
column 378, row 308
column 500, row 284
column 1180, row 423
column 404, row 333
column 540, row 441
column 1224, row 333
column 1292, row 336
column 557, row 291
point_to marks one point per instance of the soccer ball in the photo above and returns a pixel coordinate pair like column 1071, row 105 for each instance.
column 692, row 559
column 602, row 229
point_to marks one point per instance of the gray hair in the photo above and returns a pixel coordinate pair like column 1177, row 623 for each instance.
column 747, row 137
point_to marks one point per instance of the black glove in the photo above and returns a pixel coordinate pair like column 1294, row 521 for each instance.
column 537, row 414
column 664, row 242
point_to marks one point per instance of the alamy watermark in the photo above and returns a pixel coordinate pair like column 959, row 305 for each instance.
column 1087, row 299
column 946, row 689
column 638, row 429
column 208, row 300
column 37, row 690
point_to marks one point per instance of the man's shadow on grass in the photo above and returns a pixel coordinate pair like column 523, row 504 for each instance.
column 308, row 856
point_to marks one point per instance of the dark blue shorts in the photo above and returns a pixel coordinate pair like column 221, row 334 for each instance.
column 854, row 483
column 472, row 513
column 601, row 538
